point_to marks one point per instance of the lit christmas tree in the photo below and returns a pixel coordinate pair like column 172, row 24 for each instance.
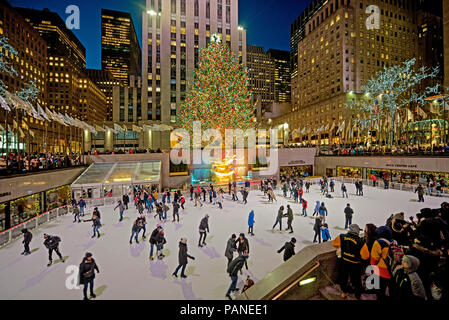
column 218, row 97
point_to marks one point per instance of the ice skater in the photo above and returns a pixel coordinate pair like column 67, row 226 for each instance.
column 289, row 249
column 234, row 267
column 121, row 209
column 242, row 247
column 344, row 191
column 82, row 205
column 231, row 247
column 160, row 241
column 142, row 222
column 176, row 211
column 325, row 235
column 323, row 211
column 76, row 212
column 317, row 208
column 27, row 236
column 304, row 207
column 317, row 228
column 279, row 218
column 251, row 222
column 289, row 216
column 87, row 274
column 348, row 215
column 52, row 244
column 204, row 228
column 220, row 198
column 96, row 224
column 135, row 231
column 183, row 257
column 153, row 240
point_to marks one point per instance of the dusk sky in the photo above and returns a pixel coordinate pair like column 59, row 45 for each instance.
column 267, row 21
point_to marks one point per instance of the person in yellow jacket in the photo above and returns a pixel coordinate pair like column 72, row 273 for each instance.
column 378, row 259
column 350, row 263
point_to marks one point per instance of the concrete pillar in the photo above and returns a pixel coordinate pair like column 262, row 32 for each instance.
column 87, row 140
column 109, row 140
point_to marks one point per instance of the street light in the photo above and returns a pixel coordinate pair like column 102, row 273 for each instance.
column 151, row 12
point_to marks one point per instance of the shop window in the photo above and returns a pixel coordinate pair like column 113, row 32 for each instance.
column 25, row 208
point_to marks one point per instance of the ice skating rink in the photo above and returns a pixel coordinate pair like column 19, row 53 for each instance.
column 127, row 273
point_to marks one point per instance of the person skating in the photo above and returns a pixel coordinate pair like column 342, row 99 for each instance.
column 191, row 192
column 220, row 199
column 325, row 235
column 344, row 191
column 251, row 222
column 279, row 218
column 360, row 188
column 96, row 224
column 76, row 213
column 82, row 205
column 52, row 244
column 317, row 208
column 231, row 247
column 289, row 216
column 140, row 207
column 135, row 230
column 165, row 209
column 153, row 240
column 420, row 191
column 350, row 269
column 204, row 228
column 198, row 197
column 242, row 246
column 27, row 236
column 182, row 258
column 332, row 185
column 348, row 215
column 125, row 199
column 121, row 209
column 182, row 200
column 234, row 267
column 285, row 189
column 176, row 211
column 142, row 222
column 323, row 211
column 86, row 274
column 160, row 241
column 304, row 207
column 288, row 248
column 244, row 196
column 317, row 228
column 307, row 186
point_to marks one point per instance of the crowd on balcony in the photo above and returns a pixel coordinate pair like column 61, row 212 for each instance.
column 406, row 259
column 18, row 163
column 125, row 151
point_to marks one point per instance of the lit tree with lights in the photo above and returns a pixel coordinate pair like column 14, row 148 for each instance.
column 5, row 66
column 388, row 93
column 218, row 96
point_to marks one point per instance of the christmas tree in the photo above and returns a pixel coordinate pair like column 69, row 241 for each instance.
column 218, row 97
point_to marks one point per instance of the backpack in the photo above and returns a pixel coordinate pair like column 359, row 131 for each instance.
column 395, row 255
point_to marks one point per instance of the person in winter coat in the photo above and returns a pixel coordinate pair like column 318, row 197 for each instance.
column 182, row 200
column 160, row 241
column 220, row 198
column 289, row 249
column 121, row 208
column 95, row 225
column 304, row 207
column 285, row 189
column 325, row 233
column 344, row 191
column 191, row 192
column 27, row 236
column 153, row 240
column 289, row 216
column 323, row 211
column 135, row 230
column 317, row 208
column 198, row 197
column 182, row 258
column 52, row 244
column 332, row 185
column 76, row 213
column 82, row 205
column 407, row 285
column 176, row 211
column 350, row 245
column 165, row 208
column 204, row 228
column 242, row 246
column 231, row 247
column 125, row 199
column 244, row 195
column 279, row 218
column 348, row 215
column 86, row 274
column 234, row 267
column 317, row 228
column 420, row 191
column 379, row 254
column 251, row 223
column 142, row 222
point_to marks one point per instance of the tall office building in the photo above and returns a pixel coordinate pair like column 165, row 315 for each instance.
column 173, row 33
column 92, row 101
column 446, row 41
column 338, row 55
column 282, row 75
column 105, row 82
column 120, row 49
column 261, row 75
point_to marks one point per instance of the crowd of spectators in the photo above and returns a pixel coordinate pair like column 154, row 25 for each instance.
column 18, row 163
column 124, row 151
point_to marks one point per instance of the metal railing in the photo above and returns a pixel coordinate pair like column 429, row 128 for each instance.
column 10, row 234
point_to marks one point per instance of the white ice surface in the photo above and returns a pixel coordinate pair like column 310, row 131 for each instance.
column 127, row 273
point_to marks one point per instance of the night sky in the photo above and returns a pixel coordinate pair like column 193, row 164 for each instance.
column 267, row 21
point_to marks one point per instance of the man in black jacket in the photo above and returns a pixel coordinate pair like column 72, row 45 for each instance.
column 87, row 274
column 182, row 258
column 175, row 211
column 27, row 236
column 153, row 240
column 204, row 228
column 348, row 215
column 234, row 267
column 52, row 244
column 289, row 249
column 125, row 200
column 231, row 247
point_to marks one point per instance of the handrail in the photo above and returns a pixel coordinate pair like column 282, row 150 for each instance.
column 296, row 281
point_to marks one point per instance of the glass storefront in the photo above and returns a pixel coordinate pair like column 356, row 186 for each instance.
column 25, row 208
column 350, row 172
column 296, row 171
column 58, row 197
column 2, row 217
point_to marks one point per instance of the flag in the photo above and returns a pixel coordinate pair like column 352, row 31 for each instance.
column 136, row 128
column 14, row 124
column 409, row 115
column 4, row 104
column 42, row 112
column 31, row 133
column 21, row 133
column 109, row 129
column 332, row 126
column 25, row 125
column 327, row 127
column 98, row 128
column 1, row 128
column 117, row 127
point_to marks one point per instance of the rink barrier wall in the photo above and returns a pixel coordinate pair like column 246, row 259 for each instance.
column 9, row 235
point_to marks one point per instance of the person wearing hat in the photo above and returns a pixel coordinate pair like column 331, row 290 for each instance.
column 407, row 285
column 317, row 228
column 289, row 249
column 182, row 258
column 379, row 255
column 52, row 244
column 87, row 274
column 242, row 246
column 204, row 228
column 348, row 215
column 153, row 240
column 251, row 222
column 27, row 236
column 231, row 247
column 350, row 245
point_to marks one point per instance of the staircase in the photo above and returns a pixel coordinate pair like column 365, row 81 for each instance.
column 333, row 292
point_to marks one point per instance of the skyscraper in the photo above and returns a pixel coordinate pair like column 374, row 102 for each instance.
column 446, row 41
column 173, row 33
column 120, row 49
column 282, row 75
column 261, row 75
column 105, row 81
